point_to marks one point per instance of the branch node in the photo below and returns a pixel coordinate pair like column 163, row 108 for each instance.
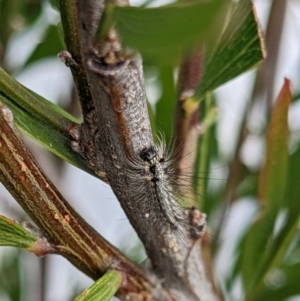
column 67, row 59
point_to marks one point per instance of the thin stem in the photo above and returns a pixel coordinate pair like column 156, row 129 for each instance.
column 77, row 39
column 71, row 29
column 203, row 164
column 267, row 71
column 187, row 115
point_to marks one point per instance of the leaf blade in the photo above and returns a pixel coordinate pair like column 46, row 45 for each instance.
column 272, row 181
column 23, row 235
column 103, row 289
column 50, row 138
column 35, row 104
column 272, row 188
column 240, row 47
column 163, row 34
column 14, row 235
column 42, row 120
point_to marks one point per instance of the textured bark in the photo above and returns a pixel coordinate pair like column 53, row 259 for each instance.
column 67, row 233
column 120, row 132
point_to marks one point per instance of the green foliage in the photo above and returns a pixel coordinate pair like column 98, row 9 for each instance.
column 14, row 235
column 165, row 104
column 34, row 104
column 265, row 249
column 40, row 119
column 274, row 172
column 103, row 289
column 15, row 13
column 50, row 45
column 46, row 122
column 162, row 34
column 10, row 275
column 204, row 148
column 237, row 50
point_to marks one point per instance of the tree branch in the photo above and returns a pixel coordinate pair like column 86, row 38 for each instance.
column 125, row 141
column 74, row 59
column 186, row 126
column 65, row 230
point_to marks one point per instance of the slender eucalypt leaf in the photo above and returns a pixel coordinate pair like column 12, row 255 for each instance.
column 163, row 34
column 34, row 104
column 272, row 189
column 103, row 289
column 273, row 175
column 52, row 139
column 42, row 120
column 50, row 45
column 239, row 48
column 203, row 155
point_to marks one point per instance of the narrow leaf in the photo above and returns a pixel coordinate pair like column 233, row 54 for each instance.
column 23, row 235
column 34, row 104
column 41, row 120
column 261, row 251
column 162, row 34
column 14, row 235
column 103, row 289
column 203, row 152
column 50, row 45
column 166, row 104
column 254, row 249
column 296, row 97
column 287, row 287
column 274, row 172
column 239, row 48
column 51, row 138
column 277, row 251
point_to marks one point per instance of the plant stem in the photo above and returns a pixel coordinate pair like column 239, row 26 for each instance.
column 71, row 25
column 64, row 228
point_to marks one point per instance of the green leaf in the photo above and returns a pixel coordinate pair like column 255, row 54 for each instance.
column 272, row 180
column 277, row 251
column 254, row 249
column 296, row 97
column 103, row 289
column 40, row 119
column 14, row 235
column 165, row 106
column 162, row 34
column 239, row 48
column 203, row 153
column 55, row 4
column 261, row 250
column 293, row 187
column 52, row 139
column 23, row 235
column 286, row 284
column 50, row 45
column 34, row 104
column 11, row 275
